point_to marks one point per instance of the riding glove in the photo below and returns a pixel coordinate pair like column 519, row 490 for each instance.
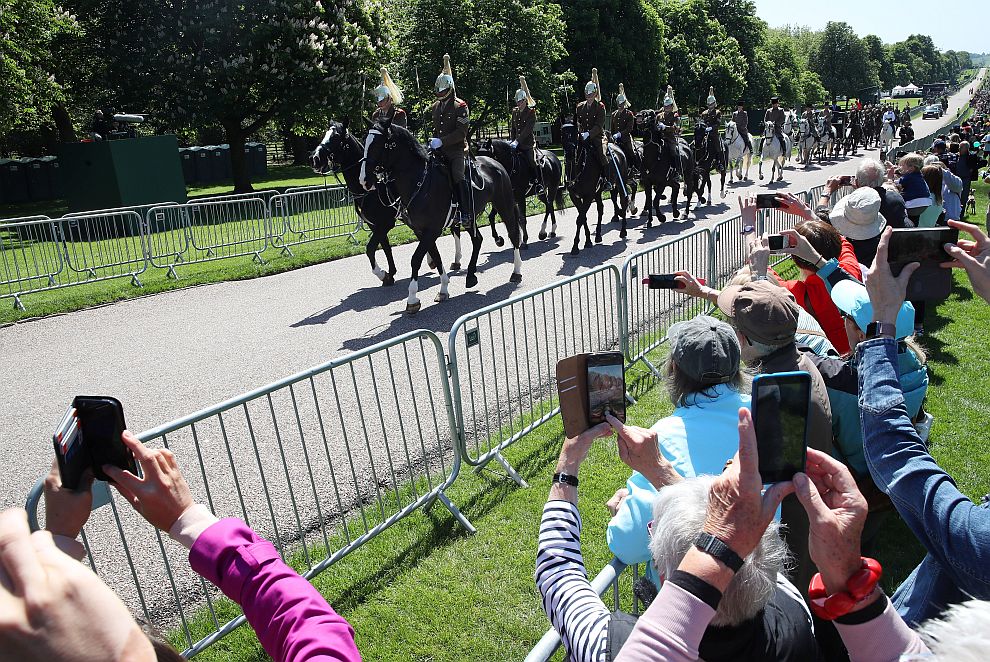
column 584, row 136
column 616, row 137
column 661, row 126
column 514, row 144
column 435, row 143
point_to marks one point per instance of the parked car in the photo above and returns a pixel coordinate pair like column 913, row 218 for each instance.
column 931, row 112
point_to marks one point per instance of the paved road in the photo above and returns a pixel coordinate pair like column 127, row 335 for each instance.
column 171, row 354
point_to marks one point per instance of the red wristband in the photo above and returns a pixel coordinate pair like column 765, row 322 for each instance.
column 859, row 587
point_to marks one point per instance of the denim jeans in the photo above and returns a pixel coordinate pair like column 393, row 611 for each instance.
column 954, row 530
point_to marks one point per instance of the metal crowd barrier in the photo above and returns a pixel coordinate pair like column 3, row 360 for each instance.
column 319, row 463
column 648, row 313
column 729, row 250
column 312, row 214
column 503, row 358
column 266, row 195
column 30, row 257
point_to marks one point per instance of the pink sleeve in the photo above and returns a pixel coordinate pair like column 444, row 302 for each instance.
column 884, row 639
column 292, row 620
column 670, row 630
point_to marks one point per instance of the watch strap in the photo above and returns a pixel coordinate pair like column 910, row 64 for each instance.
column 565, row 479
column 718, row 550
column 881, row 329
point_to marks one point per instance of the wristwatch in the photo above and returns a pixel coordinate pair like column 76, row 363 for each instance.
column 881, row 330
column 565, row 479
column 718, row 550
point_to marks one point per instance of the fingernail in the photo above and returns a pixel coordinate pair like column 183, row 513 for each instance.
column 799, row 480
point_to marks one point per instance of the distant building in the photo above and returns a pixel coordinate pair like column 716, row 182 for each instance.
column 929, row 90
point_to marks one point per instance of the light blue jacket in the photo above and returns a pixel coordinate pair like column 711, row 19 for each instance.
column 952, row 186
column 697, row 439
column 954, row 530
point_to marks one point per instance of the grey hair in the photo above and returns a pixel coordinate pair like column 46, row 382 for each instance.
column 680, row 385
column 962, row 634
column 870, row 173
column 679, row 513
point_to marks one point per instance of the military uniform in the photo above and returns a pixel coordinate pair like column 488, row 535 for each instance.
column 521, row 131
column 671, row 121
column 741, row 118
column 451, row 125
column 394, row 114
column 777, row 117
column 711, row 117
column 591, row 120
column 623, row 124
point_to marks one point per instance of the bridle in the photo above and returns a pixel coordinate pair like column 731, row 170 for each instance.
column 395, row 202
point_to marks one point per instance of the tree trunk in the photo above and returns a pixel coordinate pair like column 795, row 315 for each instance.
column 238, row 162
column 63, row 122
column 300, row 148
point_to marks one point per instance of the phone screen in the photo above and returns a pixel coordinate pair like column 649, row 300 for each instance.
column 665, row 282
column 767, row 201
column 780, row 412
column 921, row 245
column 775, row 242
column 606, row 387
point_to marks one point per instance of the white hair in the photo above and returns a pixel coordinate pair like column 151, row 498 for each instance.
column 962, row 634
column 679, row 513
column 870, row 173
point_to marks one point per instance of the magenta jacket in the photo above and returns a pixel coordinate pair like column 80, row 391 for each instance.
column 292, row 620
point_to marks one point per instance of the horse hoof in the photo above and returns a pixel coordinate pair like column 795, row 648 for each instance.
column 413, row 308
column 598, row 239
column 662, row 197
column 471, row 280
column 499, row 242
column 622, row 235
column 388, row 280
column 429, row 262
column 761, row 178
column 543, row 235
column 441, row 297
column 634, row 211
column 553, row 235
column 701, row 200
column 588, row 244
column 575, row 250
column 515, row 278
column 661, row 219
column 455, row 266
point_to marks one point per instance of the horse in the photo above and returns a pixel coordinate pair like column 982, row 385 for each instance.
column 825, row 138
column 709, row 153
column 739, row 155
column 658, row 171
column 886, row 136
column 340, row 151
column 585, row 183
column 854, row 135
column 422, row 191
column 787, row 128
column 552, row 196
column 771, row 150
column 807, row 141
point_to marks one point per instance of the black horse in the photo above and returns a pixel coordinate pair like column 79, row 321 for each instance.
column 659, row 172
column 710, row 154
column 552, row 196
column 421, row 189
column 586, row 181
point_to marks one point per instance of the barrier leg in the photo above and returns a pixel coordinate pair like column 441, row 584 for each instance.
column 286, row 251
column 135, row 281
column 18, row 305
column 257, row 258
column 458, row 515
column 508, row 469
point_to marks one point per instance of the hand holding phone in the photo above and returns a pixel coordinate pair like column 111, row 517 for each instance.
column 667, row 282
column 778, row 242
column 926, row 246
column 89, row 437
column 846, row 180
column 588, row 386
column 781, row 406
column 767, row 201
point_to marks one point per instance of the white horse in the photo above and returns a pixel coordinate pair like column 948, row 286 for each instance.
column 825, row 139
column 807, row 140
column 771, row 150
column 739, row 154
column 787, row 128
column 886, row 135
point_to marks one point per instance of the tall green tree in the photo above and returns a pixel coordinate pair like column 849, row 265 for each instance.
column 490, row 42
column 839, row 58
column 880, row 63
column 624, row 39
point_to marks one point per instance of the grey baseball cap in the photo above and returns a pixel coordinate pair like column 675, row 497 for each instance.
column 705, row 349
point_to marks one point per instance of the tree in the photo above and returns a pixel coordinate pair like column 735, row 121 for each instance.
column 490, row 42
column 701, row 54
column 624, row 39
column 240, row 64
column 879, row 61
column 839, row 58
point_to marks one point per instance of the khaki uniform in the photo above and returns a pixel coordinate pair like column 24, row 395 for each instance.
column 591, row 119
column 452, row 125
column 624, row 123
column 521, row 130
column 395, row 115
column 711, row 117
column 672, row 121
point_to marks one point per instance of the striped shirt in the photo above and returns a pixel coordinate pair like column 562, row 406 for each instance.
column 571, row 604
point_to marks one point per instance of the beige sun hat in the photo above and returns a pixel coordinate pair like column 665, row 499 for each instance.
column 857, row 216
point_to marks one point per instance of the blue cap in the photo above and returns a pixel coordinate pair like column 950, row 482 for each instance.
column 851, row 298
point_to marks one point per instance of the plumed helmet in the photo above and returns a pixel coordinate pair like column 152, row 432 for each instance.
column 711, row 95
column 388, row 88
column 593, row 87
column 621, row 99
column 668, row 99
column 445, row 81
column 523, row 93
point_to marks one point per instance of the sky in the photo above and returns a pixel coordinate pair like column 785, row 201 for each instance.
column 952, row 24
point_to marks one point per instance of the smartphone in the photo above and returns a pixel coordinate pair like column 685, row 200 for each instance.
column 88, row 437
column 777, row 242
column 666, row 282
column 920, row 245
column 781, row 404
column 767, row 201
column 606, row 386
column 846, row 180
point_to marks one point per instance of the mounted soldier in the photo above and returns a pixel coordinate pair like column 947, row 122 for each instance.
column 389, row 96
column 670, row 119
column 711, row 116
column 775, row 114
column 523, row 140
column 623, row 123
column 741, row 118
column 827, row 116
column 451, row 126
column 590, row 116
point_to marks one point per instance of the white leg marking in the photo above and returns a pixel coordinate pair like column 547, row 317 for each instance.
column 457, row 248
column 413, row 290
column 378, row 272
column 516, row 261
column 444, row 281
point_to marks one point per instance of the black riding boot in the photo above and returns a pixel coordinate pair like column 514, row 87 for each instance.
column 464, row 201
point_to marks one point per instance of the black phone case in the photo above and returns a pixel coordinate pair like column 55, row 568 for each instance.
column 101, row 423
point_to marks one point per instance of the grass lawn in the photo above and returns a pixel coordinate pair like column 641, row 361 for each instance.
column 428, row 591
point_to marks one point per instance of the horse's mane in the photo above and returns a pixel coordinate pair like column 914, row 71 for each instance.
column 404, row 138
